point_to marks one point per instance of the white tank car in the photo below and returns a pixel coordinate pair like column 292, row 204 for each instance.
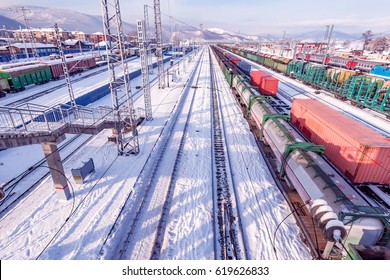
column 328, row 194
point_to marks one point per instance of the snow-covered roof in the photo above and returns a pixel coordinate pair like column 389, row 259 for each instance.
column 48, row 29
column 70, row 42
column 73, row 42
column 37, row 45
column 101, row 44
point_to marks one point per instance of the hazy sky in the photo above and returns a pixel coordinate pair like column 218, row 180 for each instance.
column 250, row 16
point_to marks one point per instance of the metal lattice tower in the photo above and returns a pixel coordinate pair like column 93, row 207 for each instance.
column 144, row 68
column 119, row 85
column 147, row 36
column 64, row 66
column 159, row 54
column 11, row 50
column 32, row 37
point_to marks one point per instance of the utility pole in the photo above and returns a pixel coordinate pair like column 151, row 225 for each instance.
column 64, row 66
column 294, row 53
column 11, row 50
column 27, row 24
column 304, row 52
column 330, row 34
column 24, row 42
column 326, row 33
column 144, row 68
column 170, row 24
column 78, row 38
column 201, row 33
column 160, row 63
column 119, row 85
column 148, row 37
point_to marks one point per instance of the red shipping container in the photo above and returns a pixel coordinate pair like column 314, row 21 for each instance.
column 256, row 76
column 235, row 60
column 269, row 86
column 362, row 154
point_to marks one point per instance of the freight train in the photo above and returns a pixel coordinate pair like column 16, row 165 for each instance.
column 346, row 218
column 366, row 66
column 361, row 90
column 15, row 77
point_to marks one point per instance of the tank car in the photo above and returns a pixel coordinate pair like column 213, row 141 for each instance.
column 340, row 211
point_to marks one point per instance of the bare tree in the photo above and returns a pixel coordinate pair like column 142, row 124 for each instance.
column 380, row 44
column 346, row 44
column 367, row 37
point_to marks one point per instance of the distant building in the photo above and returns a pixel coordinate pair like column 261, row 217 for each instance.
column 41, row 35
column 96, row 37
column 73, row 44
column 79, row 35
column 7, row 50
column 43, row 49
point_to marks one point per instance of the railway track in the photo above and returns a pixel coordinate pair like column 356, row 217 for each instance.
column 161, row 228
column 296, row 206
column 50, row 90
column 24, row 179
column 148, row 178
column 228, row 225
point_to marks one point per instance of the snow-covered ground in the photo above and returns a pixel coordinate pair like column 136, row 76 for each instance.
column 83, row 228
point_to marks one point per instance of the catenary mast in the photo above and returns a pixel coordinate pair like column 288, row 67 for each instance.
column 119, row 85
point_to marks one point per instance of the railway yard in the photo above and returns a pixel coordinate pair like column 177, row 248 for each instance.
column 229, row 167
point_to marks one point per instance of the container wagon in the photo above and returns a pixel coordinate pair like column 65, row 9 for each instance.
column 266, row 84
column 362, row 154
column 75, row 65
column 20, row 77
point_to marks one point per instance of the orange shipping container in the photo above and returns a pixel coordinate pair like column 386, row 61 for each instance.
column 362, row 154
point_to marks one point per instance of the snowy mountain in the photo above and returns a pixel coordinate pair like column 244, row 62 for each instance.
column 71, row 20
column 317, row 35
column 6, row 21
column 210, row 34
column 66, row 19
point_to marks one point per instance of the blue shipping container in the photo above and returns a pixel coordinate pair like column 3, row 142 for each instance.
column 245, row 67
